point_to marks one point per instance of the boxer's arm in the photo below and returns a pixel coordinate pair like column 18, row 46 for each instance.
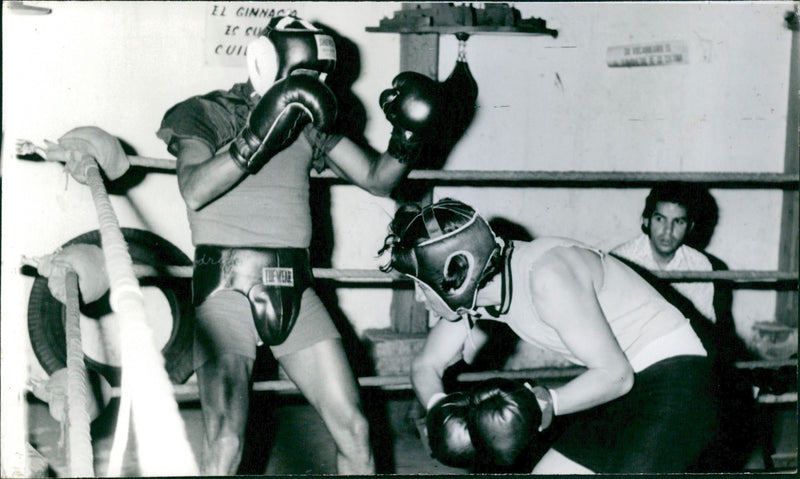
column 375, row 173
column 442, row 345
column 563, row 294
column 202, row 176
column 476, row 340
column 413, row 106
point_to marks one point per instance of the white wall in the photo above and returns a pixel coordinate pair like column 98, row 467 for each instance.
column 554, row 104
column 545, row 104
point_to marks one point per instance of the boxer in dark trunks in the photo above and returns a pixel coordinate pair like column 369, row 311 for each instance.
column 644, row 404
column 243, row 161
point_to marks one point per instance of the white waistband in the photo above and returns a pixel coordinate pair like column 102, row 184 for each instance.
column 680, row 342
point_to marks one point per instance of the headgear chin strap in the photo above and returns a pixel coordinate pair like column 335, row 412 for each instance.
column 427, row 263
column 286, row 45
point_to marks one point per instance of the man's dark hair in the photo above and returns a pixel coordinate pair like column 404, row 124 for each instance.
column 678, row 192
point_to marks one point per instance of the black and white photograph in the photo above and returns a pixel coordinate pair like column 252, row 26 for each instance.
column 463, row 238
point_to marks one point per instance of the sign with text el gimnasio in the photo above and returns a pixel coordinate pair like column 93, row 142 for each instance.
column 231, row 26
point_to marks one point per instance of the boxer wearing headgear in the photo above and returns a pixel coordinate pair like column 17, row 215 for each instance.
column 288, row 45
column 643, row 403
column 243, row 162
column 469, row 242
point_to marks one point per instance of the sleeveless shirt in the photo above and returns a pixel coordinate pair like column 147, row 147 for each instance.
column 647, row 327
column 268, row 209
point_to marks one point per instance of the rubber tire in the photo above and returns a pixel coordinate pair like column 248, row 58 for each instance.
column 47, row 315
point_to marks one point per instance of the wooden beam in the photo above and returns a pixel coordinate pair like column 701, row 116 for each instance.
column 786, row 310
column 418, row 53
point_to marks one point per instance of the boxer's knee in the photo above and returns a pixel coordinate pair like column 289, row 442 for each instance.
column 350, row 426
column 354, row 449
column 224, row 384
column 222, row 454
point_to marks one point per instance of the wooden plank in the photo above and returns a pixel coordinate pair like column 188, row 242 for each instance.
column 189, row 392
column 418, row 53
column 786, row 308
column 785, row 398
column 766, row 364
column 596, row 179
column 393, row 278
column 472, row 30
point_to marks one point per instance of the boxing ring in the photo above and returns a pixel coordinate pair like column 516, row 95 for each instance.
column 145, row 387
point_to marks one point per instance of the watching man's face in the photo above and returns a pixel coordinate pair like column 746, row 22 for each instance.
column 669, row 225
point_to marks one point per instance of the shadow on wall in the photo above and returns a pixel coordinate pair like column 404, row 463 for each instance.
column 458, row 95
column 706, row 219
column 351, row 119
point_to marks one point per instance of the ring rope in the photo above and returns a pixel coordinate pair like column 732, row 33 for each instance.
column 346, row 275
column 121, row 432
column 591, row 178
column 162, row 445
column 189, row 392
column 79, row 443
column 788, row 181
column 374, row 276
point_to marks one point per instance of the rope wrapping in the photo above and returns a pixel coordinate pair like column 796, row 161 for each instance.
column 162, row 445
column 79, row 444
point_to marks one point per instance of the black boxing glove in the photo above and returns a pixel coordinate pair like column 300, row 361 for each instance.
column 278, row 118
column 448, row 432
column 413, row 107
column 505, row 420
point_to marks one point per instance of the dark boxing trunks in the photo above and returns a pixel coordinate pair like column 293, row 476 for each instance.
column 272, row 279
column 661, row 426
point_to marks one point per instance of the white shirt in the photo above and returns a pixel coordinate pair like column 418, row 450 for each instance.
column 686, row 258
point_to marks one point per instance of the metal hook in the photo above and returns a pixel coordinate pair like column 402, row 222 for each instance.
column 462, row 45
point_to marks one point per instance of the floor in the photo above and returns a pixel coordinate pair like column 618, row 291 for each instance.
column 285, row 436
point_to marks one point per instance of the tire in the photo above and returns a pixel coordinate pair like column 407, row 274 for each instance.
column 46, row 315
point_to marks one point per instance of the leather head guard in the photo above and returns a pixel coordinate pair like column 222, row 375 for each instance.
column 288, row 44
column 428, row 262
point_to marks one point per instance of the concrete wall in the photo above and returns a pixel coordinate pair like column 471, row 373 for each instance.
column 554, row 104
column 544, row 104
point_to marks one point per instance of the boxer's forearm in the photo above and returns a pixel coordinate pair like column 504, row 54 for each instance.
column 378, row 174
column 590, row 389
column 426, row 382
column 201, row 183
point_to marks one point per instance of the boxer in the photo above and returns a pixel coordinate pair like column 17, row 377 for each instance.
column 644, row 402
column 243, row 162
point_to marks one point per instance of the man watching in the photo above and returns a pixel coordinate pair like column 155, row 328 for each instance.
column 669, row 215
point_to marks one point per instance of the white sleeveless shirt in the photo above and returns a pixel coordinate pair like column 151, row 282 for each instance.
column 647, row 327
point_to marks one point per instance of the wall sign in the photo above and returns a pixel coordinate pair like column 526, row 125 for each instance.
column 647, row 54
column 231, row 26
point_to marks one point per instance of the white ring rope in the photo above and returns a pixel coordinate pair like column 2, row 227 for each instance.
column 79, row 444
column 374, row 276
column 614, row 179
column 121, row 431
column 162, row 446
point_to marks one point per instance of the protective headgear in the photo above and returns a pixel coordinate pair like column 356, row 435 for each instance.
column 288, row 44
column 427, row 262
